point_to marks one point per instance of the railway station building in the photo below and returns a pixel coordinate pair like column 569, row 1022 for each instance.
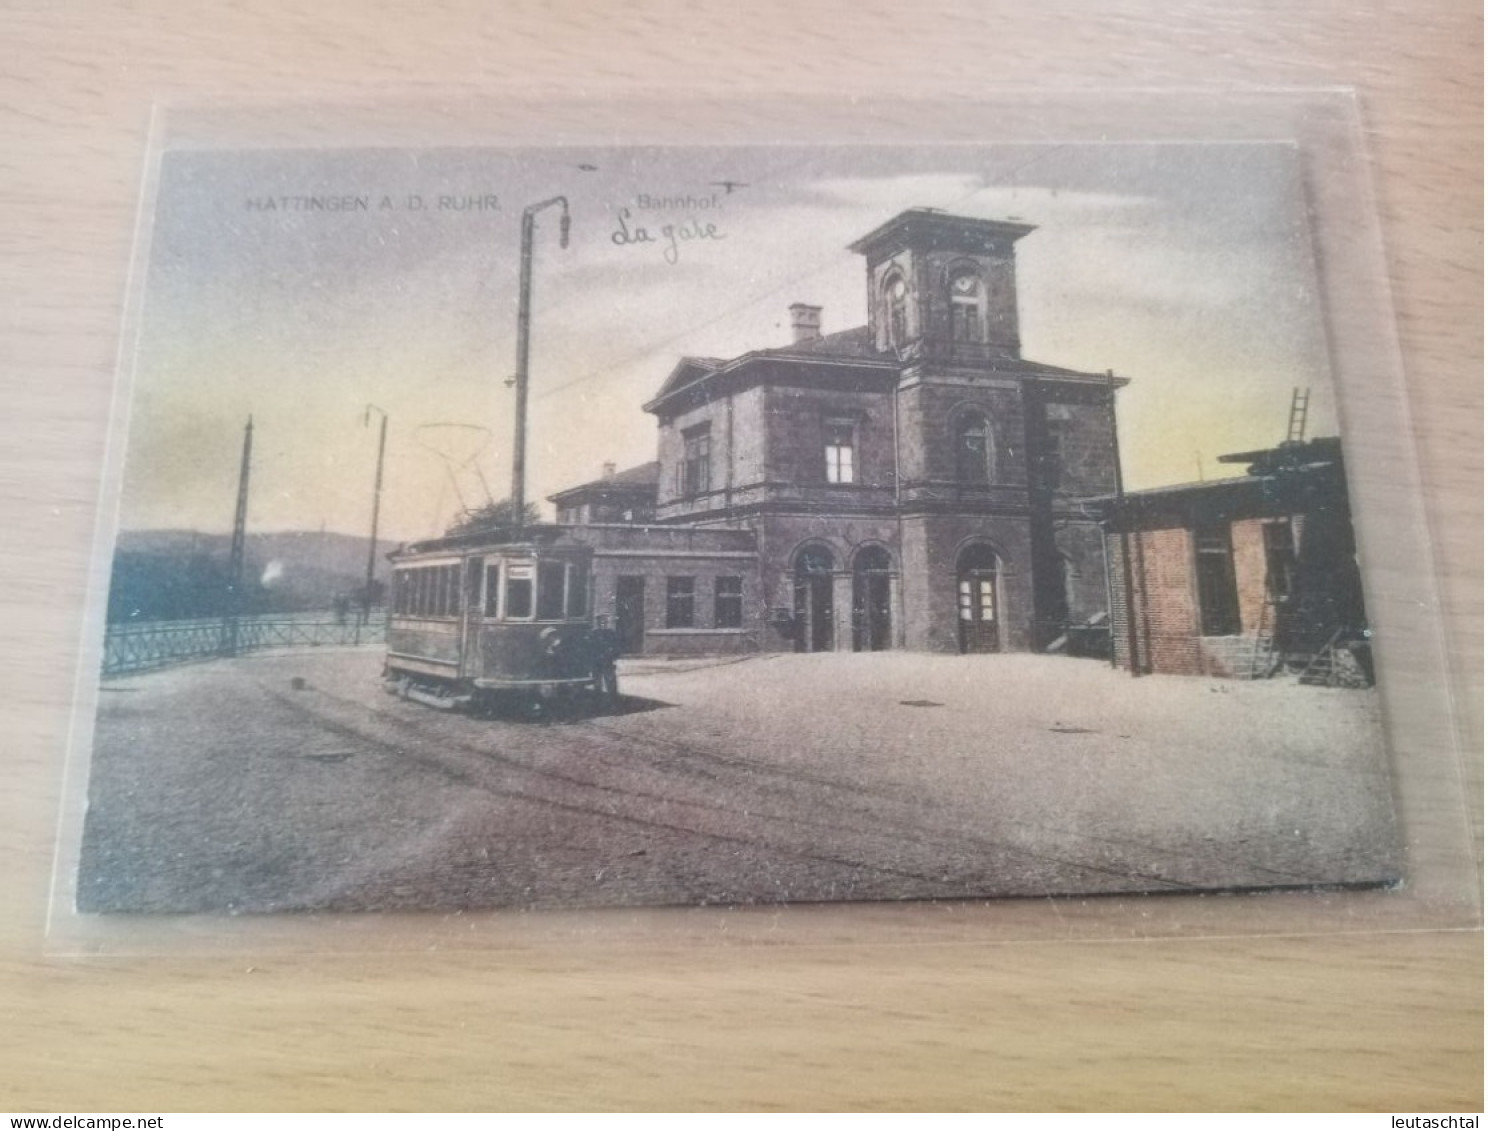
column 911, row 482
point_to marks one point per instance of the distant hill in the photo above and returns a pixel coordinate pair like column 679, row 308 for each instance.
column 178, row 574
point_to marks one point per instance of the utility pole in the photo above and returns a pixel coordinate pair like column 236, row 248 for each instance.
column 1126, row 562
column 524, row 342
column 376, row 507
column 235, row 555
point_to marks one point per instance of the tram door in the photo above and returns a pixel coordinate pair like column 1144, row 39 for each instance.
column 472, row 608
column 630, row 614
column 976, row 596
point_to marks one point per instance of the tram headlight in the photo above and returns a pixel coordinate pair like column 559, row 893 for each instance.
column 554, row 640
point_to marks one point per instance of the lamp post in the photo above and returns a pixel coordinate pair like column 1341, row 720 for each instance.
column 524, row 342
column 239, row 548
column 1127, row 573
column 366, row 616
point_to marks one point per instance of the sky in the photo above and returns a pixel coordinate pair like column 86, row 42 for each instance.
column 1186, row 268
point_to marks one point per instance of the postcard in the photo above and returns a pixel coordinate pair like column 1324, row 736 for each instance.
column 577, row 527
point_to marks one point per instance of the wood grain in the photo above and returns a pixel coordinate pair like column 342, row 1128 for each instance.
column 809, row 1009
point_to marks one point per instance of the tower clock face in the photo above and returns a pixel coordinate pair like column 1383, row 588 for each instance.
column 964, row 285
column 897, row 289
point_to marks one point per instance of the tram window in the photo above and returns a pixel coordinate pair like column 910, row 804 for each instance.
column 441, row 592
column 550, row 590
column 471, row 598
column 578, row 592
column 493, row 589
column 452, row 591
column 518, row 592
column 420, row 592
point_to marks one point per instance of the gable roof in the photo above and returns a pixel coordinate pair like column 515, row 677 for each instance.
column 687, row 371
column 854, row 343
column 853, row 348
column 636, row 480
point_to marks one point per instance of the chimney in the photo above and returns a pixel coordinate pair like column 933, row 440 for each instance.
column 805, row 322
column 609, row 470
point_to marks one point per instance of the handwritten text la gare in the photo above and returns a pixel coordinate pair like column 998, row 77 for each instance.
column 671, row 237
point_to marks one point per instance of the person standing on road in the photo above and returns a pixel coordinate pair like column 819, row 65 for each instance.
column 604, row 643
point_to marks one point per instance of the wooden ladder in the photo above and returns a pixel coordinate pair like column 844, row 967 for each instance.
column 1297, row 419
column 1262, row 651
column 1321, row 669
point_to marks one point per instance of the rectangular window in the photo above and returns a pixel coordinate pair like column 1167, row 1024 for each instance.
column 1281, row 557
column 696, row 458
column 728, row 602
column 519, row 591
column 679, row 602
column 550, row 590
column 1219, row 600
column 839, row 434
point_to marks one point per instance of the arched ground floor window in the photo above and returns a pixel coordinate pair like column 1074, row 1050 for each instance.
column 813, row 599
column 873, row 600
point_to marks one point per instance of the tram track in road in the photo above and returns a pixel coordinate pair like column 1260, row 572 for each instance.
column 801, row 830
column 371, row 795
column 440, row 763
column 923, row 826
column 934, row 811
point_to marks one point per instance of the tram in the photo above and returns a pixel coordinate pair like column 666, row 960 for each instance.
column 485, row 621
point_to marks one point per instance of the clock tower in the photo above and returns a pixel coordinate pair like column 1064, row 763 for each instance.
column 943, row 287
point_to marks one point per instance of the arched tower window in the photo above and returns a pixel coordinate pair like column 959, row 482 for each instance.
column 896, row 296
column 967, row 300
column 973, row 449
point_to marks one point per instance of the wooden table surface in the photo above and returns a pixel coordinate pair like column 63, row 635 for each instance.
column 1024, row 1006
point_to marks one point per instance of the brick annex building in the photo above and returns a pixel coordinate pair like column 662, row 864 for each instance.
column 914, row 482
column 1242, row 577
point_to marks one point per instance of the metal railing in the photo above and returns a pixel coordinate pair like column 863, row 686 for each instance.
column 160, row 644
